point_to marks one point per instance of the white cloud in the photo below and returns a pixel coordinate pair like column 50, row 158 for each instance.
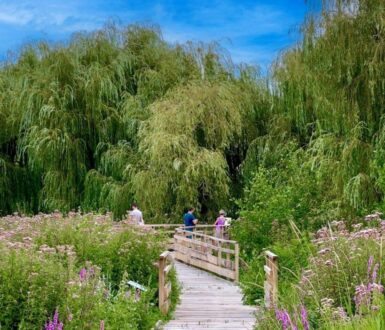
column 13, row 14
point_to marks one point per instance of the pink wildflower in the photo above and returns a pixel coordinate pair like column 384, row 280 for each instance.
column 374, row 274
column 370, row 264
column 324, row 251
column 54, row 324
column 83, row 274
column 304, row 320
column 284, row 318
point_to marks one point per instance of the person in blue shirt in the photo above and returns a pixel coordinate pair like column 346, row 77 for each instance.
column 189, row 219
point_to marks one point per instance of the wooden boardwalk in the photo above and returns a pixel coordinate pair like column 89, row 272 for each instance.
column 209, row 302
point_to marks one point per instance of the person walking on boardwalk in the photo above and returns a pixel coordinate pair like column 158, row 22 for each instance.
column 190, row 220
column 136, row 215
column 220, row 224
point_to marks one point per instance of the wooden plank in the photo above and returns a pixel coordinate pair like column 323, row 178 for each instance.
column 205, row 256
column 209, row 302
column 205, row 265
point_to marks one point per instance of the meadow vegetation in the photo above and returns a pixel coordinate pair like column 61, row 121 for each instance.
column 72, row 272
column 120, row 115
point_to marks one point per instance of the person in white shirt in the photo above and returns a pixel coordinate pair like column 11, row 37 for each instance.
column 136, row 215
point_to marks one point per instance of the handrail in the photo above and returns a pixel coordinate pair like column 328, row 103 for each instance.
column 205, row 235
column 169, row 225
column 214, row 254
column 169, row 229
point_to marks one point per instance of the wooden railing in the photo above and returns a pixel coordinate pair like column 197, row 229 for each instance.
column 271, row 283
column 170, row 228
column 216, row 255
column 212, row 231
column 165, row 265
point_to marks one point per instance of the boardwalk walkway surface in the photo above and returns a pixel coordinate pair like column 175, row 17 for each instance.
column 209, row 302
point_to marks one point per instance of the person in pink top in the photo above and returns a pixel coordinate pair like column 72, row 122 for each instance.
column 220, row 224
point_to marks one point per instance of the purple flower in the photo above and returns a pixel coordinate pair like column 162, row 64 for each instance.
column 101, row 327
column 361, row 296
column 83, row 274
column 56, row 318
column 374, row 274
column 283, row 317
column 370, row 264
column 340, row 313
column 376, row 287
column 54, row 324
column 304, row 319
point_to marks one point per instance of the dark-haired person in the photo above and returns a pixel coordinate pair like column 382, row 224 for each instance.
column 136, row 215
column 190, row 220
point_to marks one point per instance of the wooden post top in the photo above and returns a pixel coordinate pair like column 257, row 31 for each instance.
column 271, row 255
column 165, row 255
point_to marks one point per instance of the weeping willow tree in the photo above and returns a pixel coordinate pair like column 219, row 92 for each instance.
column 81, row 124
column 65, row 110
column 187, row 149
column 184, row 146
column 331, row 89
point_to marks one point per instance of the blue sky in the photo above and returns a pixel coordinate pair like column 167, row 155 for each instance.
column 252, row 31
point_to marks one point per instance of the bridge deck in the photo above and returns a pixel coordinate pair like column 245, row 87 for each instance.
column 209, row 302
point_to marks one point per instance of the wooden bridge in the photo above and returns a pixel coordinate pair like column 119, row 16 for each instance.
column 208, row 271
column 209, row 302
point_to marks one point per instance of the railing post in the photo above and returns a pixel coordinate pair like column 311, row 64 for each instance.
column 236, row 262
column 271, row 283
column 165, row 286
column 162, row 266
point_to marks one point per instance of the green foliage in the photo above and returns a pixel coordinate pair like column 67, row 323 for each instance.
column 95, row 123
column 31, row 287
column 116, row 253
column 79, row 265
column 331, row 89
column 293, row 258
column 338, row 278
column 321, row 156
column 92, row 122
column 277, row 196
column 185, row 140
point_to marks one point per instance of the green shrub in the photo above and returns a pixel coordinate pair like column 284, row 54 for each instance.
column 32, row 286
column 79, row 266
column 113, row 248
column 292, row 258
column 338, row 278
